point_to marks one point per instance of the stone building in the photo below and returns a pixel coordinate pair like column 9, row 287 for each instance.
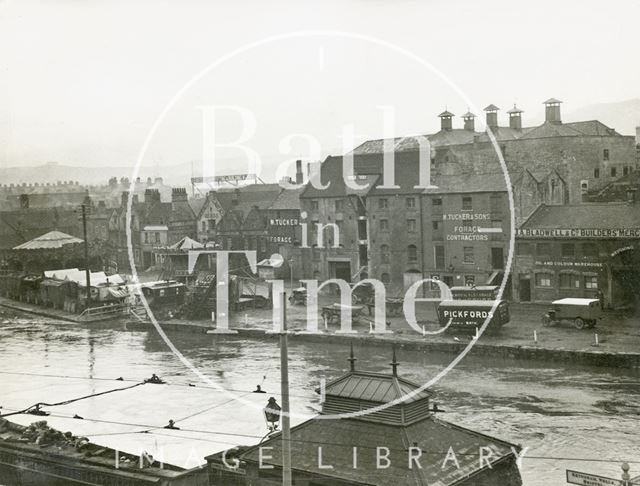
column 579, row 251
column 404, row 443
column 560, row 161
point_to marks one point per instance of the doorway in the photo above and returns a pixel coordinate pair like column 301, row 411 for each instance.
column 497, row 258
column 525, row 289
column 340, row 270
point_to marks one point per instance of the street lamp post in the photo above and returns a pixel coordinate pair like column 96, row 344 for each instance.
column 284, row 385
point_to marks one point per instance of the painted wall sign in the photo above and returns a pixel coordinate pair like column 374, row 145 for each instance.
column 568, row 264
column 579, row 233
column 284, row 222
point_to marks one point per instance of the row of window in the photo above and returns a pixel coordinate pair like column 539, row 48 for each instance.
column 613, row 172
column 567, row 281
column 566, row 249
column 468, row 255
column 383, row 203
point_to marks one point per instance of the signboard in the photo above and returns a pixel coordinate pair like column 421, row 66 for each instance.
column 579, row 233
column 225, row 179
column 585, row 479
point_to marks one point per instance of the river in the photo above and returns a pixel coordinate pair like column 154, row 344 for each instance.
column 559, row 412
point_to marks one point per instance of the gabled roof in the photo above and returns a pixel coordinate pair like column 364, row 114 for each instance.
column 491, row 107
column 446, row 114
column 551, row 101
column 514, row 110
column 468, row 114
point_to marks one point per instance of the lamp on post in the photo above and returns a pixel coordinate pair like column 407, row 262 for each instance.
column 272, row 414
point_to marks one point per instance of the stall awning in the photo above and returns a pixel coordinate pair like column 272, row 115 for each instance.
column 119, row 293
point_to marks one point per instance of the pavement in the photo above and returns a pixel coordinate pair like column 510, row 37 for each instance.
column 617, row 332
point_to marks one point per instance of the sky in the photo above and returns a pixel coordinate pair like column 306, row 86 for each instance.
column 85, row 82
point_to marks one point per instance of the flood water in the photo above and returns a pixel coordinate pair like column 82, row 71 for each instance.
column 561, row 413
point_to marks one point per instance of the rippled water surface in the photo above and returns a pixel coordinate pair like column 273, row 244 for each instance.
column 555, row 410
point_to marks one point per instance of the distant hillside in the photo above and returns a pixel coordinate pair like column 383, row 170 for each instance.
column 53, row 172
column 624, row 116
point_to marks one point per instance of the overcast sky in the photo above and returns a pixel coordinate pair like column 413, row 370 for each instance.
column 83, row 82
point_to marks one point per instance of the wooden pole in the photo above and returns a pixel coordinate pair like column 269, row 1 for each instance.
column 87, row 271
column 284, row 391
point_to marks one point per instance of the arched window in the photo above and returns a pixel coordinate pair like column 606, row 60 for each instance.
column 412, row 253
column 384, row 253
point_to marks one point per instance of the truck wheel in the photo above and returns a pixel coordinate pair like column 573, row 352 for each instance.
column 579, row 323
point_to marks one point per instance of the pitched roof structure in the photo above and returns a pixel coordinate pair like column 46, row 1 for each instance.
column 186, row 243
column 339, row 437
column 50, row 240
column 585, row 216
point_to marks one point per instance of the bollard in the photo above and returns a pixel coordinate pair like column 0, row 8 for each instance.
column 370, row 327
column 597, row 343
column 535, row 336
column 423, row 331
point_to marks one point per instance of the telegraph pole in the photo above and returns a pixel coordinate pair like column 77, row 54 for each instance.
column 284, row 391
column 87, row 271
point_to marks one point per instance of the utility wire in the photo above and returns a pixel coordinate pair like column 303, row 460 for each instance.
column 326, row 443
column 37, row 406
column 244, row 392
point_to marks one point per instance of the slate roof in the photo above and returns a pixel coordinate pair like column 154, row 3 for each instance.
column 585, row 216
column 287, row 199
column 338, row 438
column 373, row 387
column 459, row 136
column 467, row 183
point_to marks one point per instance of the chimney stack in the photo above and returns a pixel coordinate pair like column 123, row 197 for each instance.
column 552, row 111
column 515, row 118
column 179, row 194
column 469, row 122
column 445, row 120
column 492, row 116
column 151, row 196
column 299, row 177
column 124, row 198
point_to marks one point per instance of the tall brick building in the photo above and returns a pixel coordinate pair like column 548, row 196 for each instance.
column 457, row 231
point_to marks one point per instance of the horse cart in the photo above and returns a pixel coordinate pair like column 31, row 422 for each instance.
column 333, row 313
